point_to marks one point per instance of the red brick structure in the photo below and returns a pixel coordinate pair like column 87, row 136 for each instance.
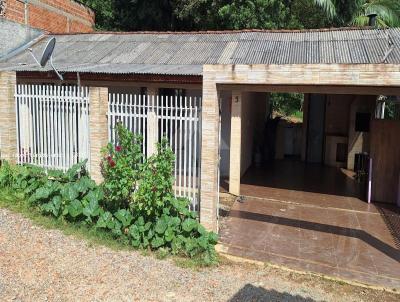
column 55, row 16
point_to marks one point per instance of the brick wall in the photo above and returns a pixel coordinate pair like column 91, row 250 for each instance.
column 56, row 16
column 8, row 133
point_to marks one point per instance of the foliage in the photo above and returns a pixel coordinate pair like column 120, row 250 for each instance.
column 200, row 14
column 21, row 178
column 238, row 14
column 143, row 213
column 355, row 11
column 162, row 220
column 104, row 13
column 287, row 104
column 121, row 168
column 267, row 14
column 155, row 218
column 72, row 195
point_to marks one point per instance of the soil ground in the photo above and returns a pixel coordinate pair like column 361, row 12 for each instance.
column 38, row 264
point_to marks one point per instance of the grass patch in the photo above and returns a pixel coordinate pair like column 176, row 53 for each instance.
column 16, row 203
column 94, row 237
column 195, row 263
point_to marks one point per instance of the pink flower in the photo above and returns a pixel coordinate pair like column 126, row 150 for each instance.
column 112, row 163
column 109, row 158
column 118, row 148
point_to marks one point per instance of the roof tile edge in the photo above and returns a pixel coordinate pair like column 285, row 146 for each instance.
column 224, row 31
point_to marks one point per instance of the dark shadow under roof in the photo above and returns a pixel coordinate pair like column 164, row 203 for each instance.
column 186, row 53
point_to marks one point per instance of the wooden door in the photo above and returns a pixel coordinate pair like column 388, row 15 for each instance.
column 385, row 154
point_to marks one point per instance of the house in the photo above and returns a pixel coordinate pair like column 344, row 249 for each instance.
column 211, row 94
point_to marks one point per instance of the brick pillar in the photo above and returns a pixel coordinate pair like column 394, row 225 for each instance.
column 8, row 132
column 236, row 142
column 209, row 151
column 98, row 127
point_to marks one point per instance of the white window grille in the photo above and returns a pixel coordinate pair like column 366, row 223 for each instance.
column 177, row 119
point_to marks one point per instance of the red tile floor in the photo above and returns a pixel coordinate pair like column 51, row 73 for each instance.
column 313, row 220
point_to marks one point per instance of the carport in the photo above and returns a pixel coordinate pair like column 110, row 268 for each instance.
column 310, row 216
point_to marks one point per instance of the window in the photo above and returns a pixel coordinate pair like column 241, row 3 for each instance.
column 172, row 92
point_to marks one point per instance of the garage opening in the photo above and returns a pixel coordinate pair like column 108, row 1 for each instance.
column 310, row 148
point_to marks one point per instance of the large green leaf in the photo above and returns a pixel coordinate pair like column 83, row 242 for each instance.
column 56, row 202
column 161, row 226
column 47, row 207
column 94, row 195
column 173, row 222
column 92, row 209
column 69, row 192
column 157, row 242
column 134, row 232
column 84, row 184
column 75, row 208
column 105, row 220
column 55, row 174
column 42, row 193
column 124, row 217
column 74, row 171
column 116, row 230
column 169, row 234
column 189, row 224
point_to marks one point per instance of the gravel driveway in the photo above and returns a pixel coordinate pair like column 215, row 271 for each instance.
column 46, row 265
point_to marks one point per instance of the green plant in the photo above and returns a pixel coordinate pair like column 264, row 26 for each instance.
column 287, row 104
column 121, row 167
column 155, row 184
column 72, row 195
column 161, row 219
column 135, row 205
column 25, row 179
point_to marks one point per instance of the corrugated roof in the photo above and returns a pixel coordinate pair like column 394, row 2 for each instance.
column 186, row 53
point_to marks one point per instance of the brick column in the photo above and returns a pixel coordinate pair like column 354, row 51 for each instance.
column 209, row 151
column 8, row 127
column 236, row 142
column 98, row 127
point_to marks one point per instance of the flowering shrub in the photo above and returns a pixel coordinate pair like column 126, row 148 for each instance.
column 162, row 220
column 121, row 167
column 148, row 214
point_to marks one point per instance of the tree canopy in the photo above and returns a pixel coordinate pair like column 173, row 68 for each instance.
column 133, row 15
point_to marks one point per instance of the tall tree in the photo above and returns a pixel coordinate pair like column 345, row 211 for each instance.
column 133, row 15
column 105, row 13
column 355, row 11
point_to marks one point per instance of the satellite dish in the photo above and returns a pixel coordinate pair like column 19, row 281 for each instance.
column 47, row 52
column 47, row 55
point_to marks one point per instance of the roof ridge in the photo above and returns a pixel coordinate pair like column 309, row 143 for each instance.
column 332, row 29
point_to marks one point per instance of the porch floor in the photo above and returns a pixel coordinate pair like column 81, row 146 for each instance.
column 317, row 224
column 299, row 183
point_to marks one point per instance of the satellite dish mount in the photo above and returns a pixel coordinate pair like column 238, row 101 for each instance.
column 47, row 56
